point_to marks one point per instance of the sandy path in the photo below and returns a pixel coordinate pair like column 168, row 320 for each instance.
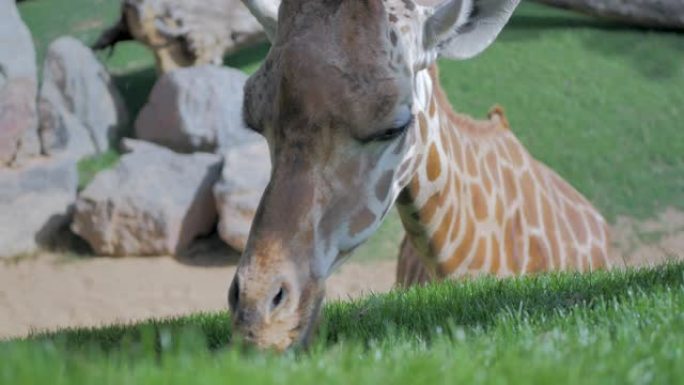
column 49, row 291
column 53, row 291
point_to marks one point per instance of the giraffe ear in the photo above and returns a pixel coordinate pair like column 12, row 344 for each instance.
column 461, row 29
column 266, row 13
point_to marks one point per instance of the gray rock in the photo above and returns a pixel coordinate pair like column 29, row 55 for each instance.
column 246, row 172
column 153, row 202
column 18, row 84
column 18, row 122
column 196, row 109
column 17, row 55
column 80, row 110
column 35, row 202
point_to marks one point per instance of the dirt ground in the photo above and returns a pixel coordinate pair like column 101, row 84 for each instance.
column 652, row 241
column 50, row 291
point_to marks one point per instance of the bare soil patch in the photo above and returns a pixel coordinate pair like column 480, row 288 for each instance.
column 650, row 242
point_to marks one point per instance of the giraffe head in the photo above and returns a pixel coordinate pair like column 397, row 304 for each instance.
column 336, row 99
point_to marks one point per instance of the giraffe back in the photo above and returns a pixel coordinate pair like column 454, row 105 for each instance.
column 485, row 205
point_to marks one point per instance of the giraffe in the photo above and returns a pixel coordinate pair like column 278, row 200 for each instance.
column 348, row 99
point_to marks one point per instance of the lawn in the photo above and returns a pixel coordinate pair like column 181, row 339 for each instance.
column 605, row 328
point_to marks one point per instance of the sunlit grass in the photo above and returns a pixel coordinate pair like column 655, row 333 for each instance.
column 622, row 328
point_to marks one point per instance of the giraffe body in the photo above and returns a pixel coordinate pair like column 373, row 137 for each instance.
column 479, row 203
column 349, row 102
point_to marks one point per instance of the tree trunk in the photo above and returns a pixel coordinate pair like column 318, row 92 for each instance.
column 661, row 14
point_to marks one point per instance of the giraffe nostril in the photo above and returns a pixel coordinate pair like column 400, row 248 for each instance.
column 278, row 298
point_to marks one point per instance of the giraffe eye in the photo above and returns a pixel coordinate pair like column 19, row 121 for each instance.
column 392, row 133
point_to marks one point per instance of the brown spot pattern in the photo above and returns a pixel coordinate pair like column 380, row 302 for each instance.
column 361, row 221
column 383, row 187
column 597, row 258
column 461, row 252
column 515, row 153
column 537, row 255
column 576, row 223
column 510, row 188
column 433, row 166
column 429, row 208
column 480, row 255
column 495, row 256
column 422, row 124
column 442, row 232
column 529, row 200
column 471, row 165
column 479, row 202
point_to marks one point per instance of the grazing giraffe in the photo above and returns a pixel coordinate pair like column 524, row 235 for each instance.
column 349, row 101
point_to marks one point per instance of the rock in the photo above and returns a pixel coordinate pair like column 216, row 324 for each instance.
column 184, row 33
column 35, row 202
column 196, row 109
column 154, row 202
column 81, row 112
column 18, row 84
column 18, row 122
column 246, row 172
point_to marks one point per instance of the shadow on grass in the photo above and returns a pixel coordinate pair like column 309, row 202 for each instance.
column 415, row 313
column 135, row 87
column 657, row 55
column 247, row 59
column 209, row 251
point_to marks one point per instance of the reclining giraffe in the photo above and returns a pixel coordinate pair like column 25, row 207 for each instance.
column 349, row 101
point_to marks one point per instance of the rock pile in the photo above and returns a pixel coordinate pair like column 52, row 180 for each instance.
column 195, row 169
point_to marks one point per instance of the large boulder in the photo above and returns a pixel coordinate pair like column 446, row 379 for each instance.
column 18, row 84
column 196, row 109
column 81, row 112
column 246, row 172
column 35, row 203
column 184, row 33
column 154, row 202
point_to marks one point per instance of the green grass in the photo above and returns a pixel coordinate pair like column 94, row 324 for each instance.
column 618, row 327
column 599, row 103
column 90, row 166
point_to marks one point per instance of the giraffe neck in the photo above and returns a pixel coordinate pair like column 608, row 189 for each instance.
column 477, row 202
column 431, row 198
